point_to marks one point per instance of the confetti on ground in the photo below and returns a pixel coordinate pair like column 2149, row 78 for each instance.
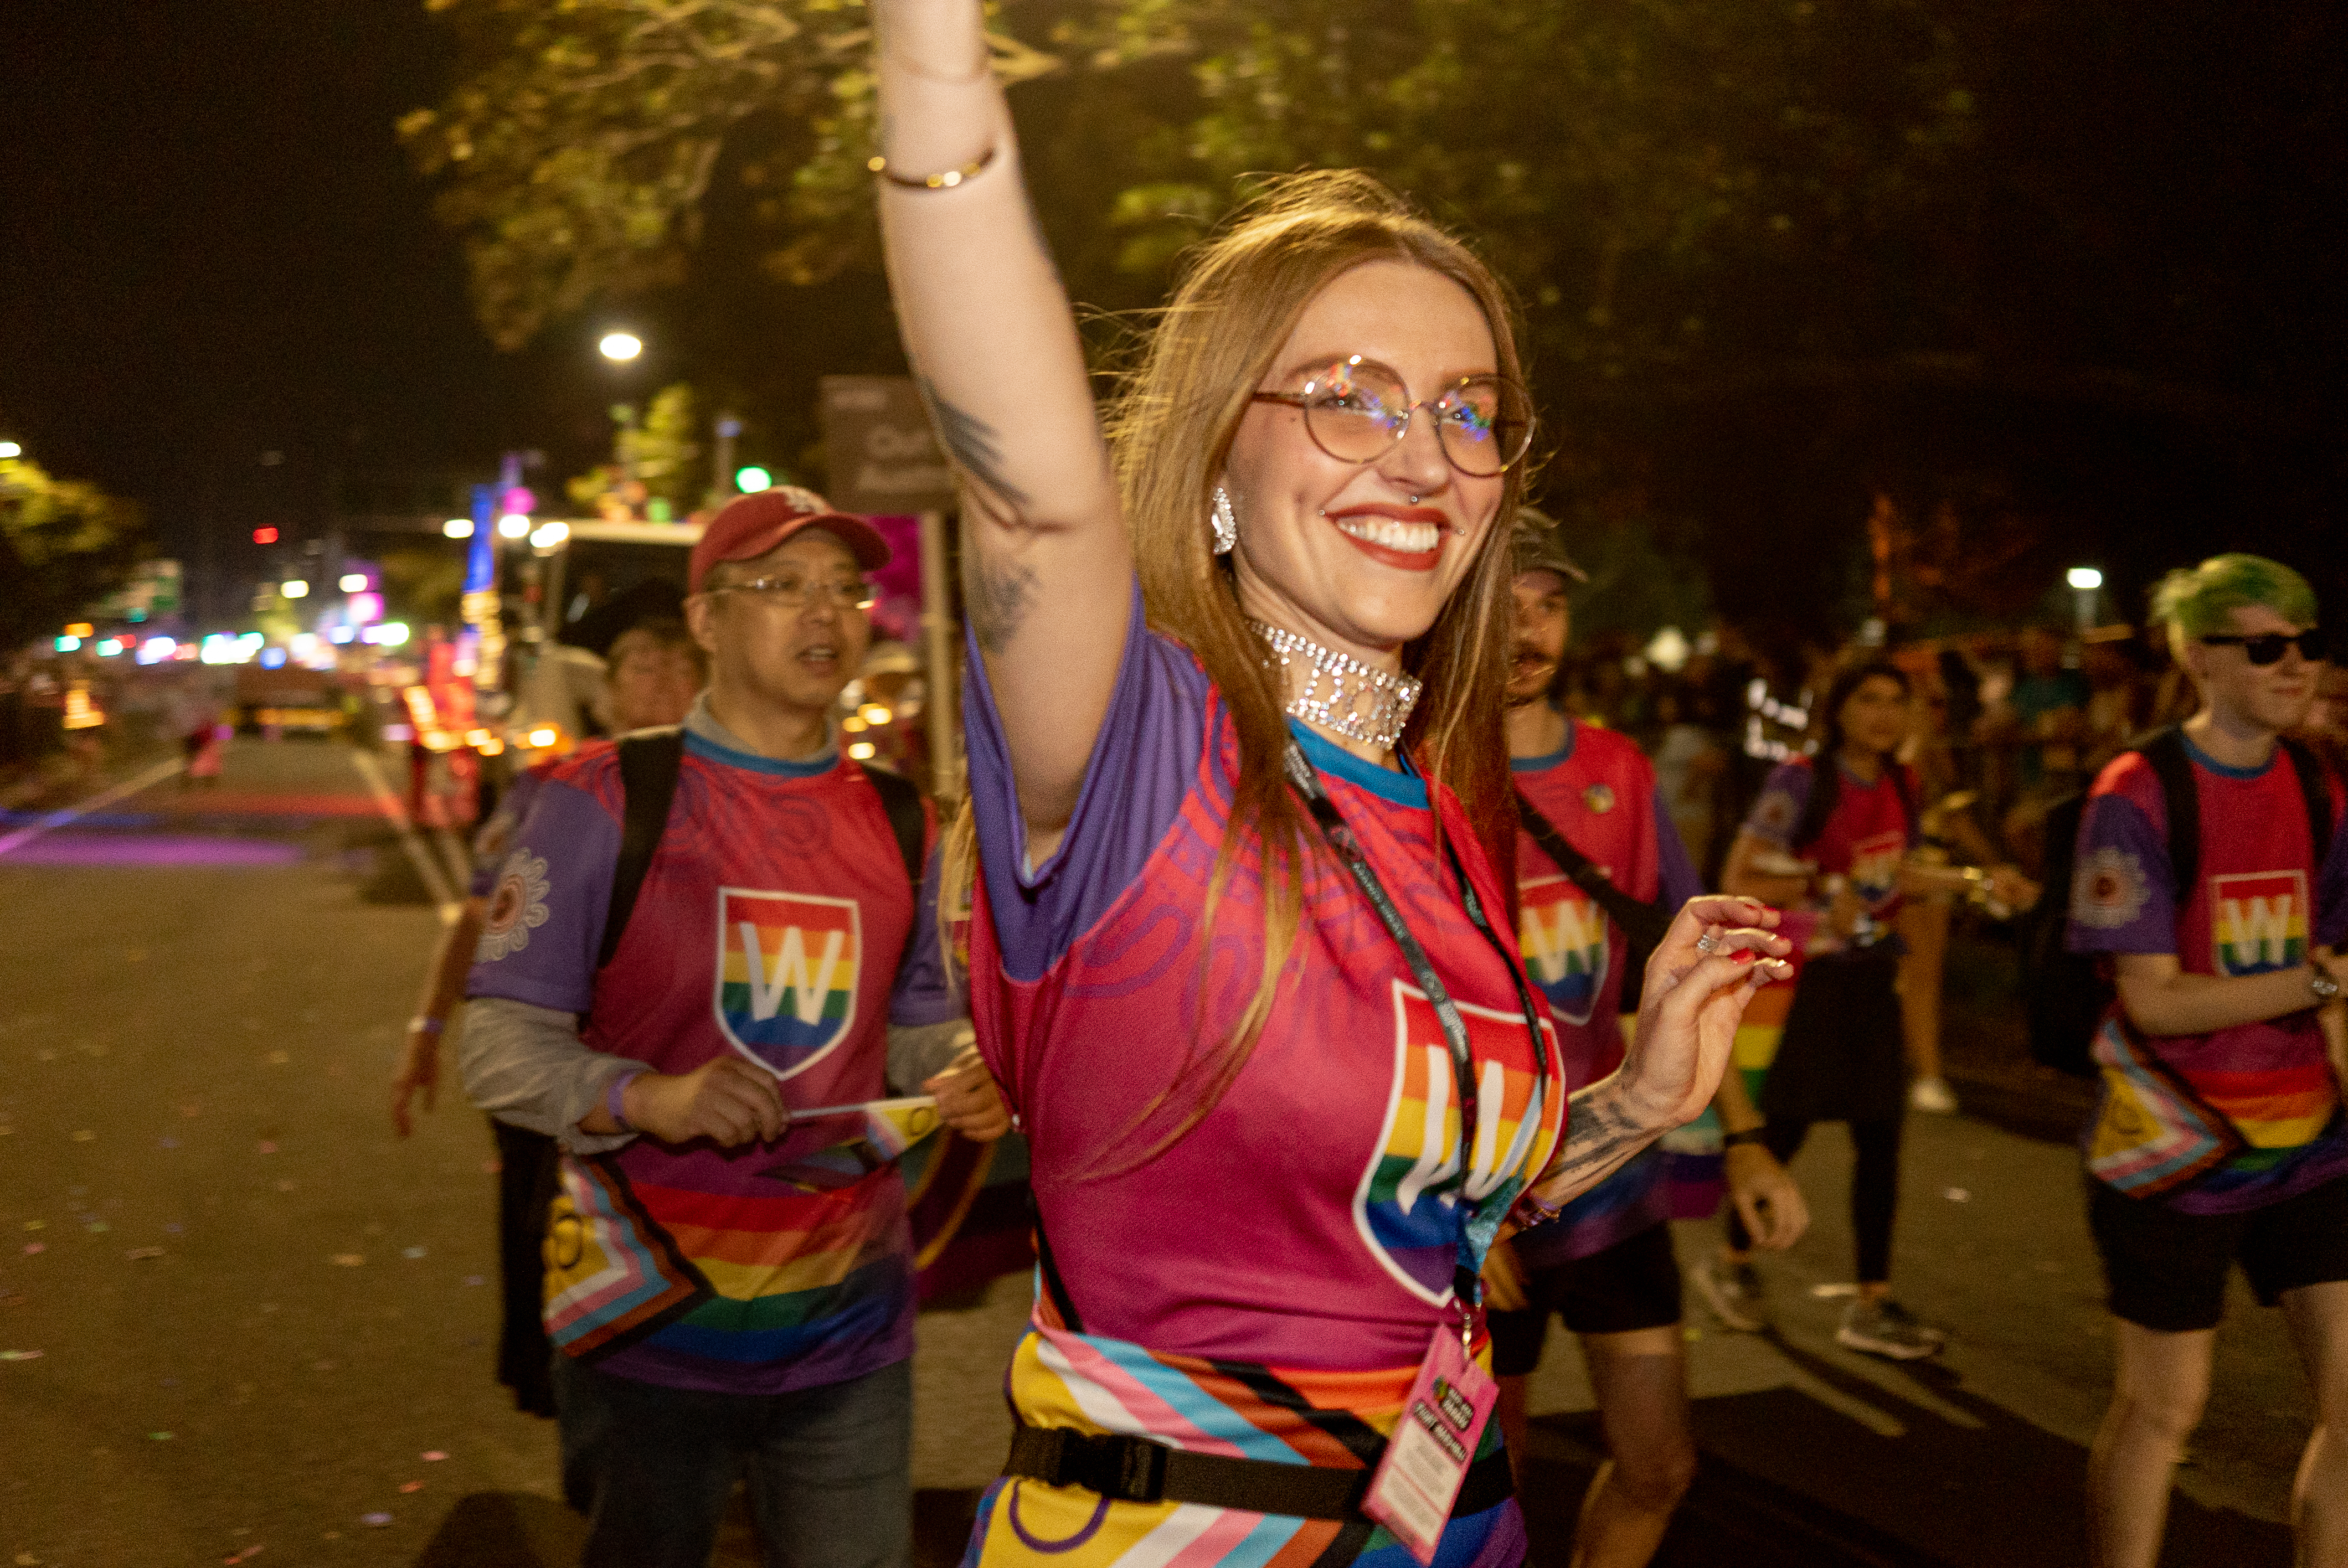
column 491, row 1167
column 377, row 1521
column 348, row 1259
column 1959, row 1195
column 1829, row 1292
column 36, row 1224
column 33, row 1247
column 411, row 1486
column 139, row 1253
column 98, row 1227
column 278, row 1059
column 267, row 1147
column 474, row 1279
column 20, row 1355
column 433, row 1456
column 413, row 1252
column 84, row 1136
column 13, row 1298
column 284, row 1186
column 173, row 1229
column 244, row 1556
column 162, row 1437
column 26, row 1560
column 166, row 1143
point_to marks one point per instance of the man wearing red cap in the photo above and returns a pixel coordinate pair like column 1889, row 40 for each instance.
column 666, row 990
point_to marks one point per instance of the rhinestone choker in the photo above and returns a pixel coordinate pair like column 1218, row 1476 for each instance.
column 1343, row 694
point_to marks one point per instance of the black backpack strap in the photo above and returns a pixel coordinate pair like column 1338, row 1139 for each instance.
column 2315, row 789
column 2173, row 765
column 1061, row 1302
column 650, row 761
column 1644, row 924
column 902, row 800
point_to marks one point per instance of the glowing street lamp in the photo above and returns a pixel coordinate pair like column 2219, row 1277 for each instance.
column 620, row 347
column 11, row 449
column 353, row 582
column 295, row 588
column 458, row 528
column 514, row 526
column 2086, row 583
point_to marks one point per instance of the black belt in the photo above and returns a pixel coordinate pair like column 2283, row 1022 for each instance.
column 1136, row 1470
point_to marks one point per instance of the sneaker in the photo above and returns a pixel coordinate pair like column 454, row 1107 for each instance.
column 1934, row 1095
column 1887, row 1328
column 1733, row 1291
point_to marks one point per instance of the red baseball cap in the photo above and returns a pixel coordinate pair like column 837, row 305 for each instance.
column 750, row 525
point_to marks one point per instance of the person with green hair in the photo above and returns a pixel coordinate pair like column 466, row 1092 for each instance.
column 2211, row 881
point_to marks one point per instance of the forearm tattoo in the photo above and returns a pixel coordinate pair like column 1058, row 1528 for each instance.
column 1598, row 1135
column 972, row 443
column 999, row 595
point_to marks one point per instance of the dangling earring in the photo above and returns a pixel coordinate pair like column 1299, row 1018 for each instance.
column 1225, row 522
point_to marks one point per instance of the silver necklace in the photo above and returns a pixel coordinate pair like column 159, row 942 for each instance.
column 1342, row 693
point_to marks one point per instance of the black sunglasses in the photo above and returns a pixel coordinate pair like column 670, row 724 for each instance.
column 2267, row 647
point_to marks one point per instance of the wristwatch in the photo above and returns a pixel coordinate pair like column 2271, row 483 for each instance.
column 2324, row 987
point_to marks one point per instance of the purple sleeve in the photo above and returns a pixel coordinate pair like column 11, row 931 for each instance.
column 1779, row 807
column 2123, row 888
column 545, row 921
column 1143, row 762
column 2332, row 887
column 490, row 845
column 1676, row 880
column 924, row 992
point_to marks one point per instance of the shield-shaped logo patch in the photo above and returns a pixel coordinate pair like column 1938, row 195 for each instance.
column 787, row 971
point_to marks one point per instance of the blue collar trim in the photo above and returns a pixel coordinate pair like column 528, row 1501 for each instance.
column 1557, row 758
column 2220, row 769
column 702, row 746
column 1327, row 756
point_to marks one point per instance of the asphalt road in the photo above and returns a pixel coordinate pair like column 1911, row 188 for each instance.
column 239, row 1317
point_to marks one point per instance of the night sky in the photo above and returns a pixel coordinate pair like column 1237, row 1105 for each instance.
column 213, row 248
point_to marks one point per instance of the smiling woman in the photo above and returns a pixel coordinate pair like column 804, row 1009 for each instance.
column 1235, row 758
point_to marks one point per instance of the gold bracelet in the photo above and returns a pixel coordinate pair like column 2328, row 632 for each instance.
column 879, row 165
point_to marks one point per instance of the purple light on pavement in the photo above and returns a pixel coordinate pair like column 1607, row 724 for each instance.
column 151, row 849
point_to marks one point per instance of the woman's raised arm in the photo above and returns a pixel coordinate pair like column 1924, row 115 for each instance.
column 1048, row 566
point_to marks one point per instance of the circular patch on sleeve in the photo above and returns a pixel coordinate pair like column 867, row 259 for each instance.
column 1775, row 814
column 515, row 908
column 2109, row 890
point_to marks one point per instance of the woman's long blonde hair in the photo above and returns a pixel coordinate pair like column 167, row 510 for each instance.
column 1170, row 425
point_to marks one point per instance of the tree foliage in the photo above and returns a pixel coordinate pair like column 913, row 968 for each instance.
column 63, row 545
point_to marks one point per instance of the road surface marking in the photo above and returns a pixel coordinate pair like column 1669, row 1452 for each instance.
column 147, row 780
column 428, row 867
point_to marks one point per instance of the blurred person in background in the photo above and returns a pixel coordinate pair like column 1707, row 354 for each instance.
column 1605, row 1264
column 2043, row 715
column 2219, row 1137
column 656, row 671
column 2119, row 694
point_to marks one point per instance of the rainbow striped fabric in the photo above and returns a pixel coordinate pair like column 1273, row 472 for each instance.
column 786, row 974
column 1236, row 1408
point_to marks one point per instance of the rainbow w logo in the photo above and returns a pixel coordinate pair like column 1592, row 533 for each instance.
column 787, row 972
column 2258, row 921
column 1562, row 931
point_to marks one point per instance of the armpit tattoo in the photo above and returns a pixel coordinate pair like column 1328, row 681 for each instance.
column 999, row 595
column 972, row 443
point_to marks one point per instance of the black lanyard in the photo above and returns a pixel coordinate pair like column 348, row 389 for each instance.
column 1348, row 849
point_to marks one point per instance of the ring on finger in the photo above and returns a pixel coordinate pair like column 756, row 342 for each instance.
column 1708, row 943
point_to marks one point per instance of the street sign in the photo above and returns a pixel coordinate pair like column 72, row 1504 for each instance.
column 881, row 453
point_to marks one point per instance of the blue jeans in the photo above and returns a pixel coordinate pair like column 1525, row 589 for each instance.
column 830, row 1469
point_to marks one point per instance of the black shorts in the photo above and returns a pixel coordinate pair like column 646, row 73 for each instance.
column 2165, row 1271
column 1634, row 1284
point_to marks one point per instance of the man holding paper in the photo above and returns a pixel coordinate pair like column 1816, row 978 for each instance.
column 696, row 936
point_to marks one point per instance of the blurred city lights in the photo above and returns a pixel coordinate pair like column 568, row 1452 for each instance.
column 108, row 647
column 458, row 527
column 272, row 659
column 549, row 535
column 863, row 751
column 544, row 736
column 68, row 644
column 2085, row 578
column 621, row 346
column 155, row 649
column 873, row 713
column 11, row 449
column 264, row 536
column 353, row 582
column 366, row 607
column 513, row 525
column 390, row 634
column 753, row 479
column 295, row 588
column 341, row 634
column 81, row 629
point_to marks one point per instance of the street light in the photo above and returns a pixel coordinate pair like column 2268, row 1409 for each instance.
column 458, row 528
column 548, row 535
column 620, row 347
column 295, row 588
column 2084, row 579
column 11, row 449
column 353, row 582
column 2086, row 583
column 514, row 526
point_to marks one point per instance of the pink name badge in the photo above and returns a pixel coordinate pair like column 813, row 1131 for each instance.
column 1432, row 1446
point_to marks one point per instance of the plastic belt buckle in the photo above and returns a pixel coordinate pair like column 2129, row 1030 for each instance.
column 1130, row 1470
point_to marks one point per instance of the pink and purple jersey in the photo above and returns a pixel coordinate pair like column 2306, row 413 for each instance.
column 1599, row 791
column 1865, row 839
column 1302, row 1237
column 2260, row 901
column 775, row 923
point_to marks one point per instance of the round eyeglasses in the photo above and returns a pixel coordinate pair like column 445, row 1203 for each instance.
column 1357, row 410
